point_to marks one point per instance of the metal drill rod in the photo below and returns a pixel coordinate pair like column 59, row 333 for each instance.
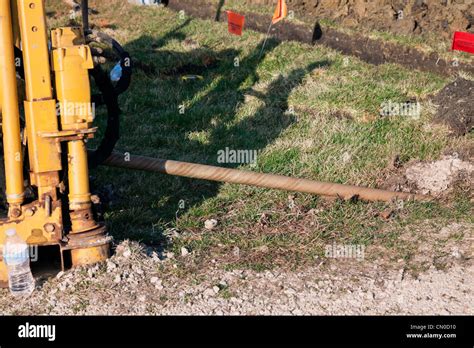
column 235, row 176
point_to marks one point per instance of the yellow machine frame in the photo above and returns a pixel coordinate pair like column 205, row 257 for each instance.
column 47, row 134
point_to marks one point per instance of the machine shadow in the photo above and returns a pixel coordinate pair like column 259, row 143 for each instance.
column 209, row 122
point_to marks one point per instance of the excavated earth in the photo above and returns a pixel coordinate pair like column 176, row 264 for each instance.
column 455, row 104
column 441, row 17
column 373, row 51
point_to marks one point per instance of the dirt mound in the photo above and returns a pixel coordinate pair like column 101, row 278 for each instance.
column 456, row 106
column 399, row 16
column 437, row 178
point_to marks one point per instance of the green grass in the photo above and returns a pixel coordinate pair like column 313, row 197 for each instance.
column 284, row 104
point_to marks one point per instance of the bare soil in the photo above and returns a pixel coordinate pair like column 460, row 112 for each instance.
column 370, row 50
column 399, row 16
column 139, row 281
column 437, row 178
column 456, row 106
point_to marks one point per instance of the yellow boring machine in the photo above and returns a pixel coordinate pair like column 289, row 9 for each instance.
column 51, row 132
column 47, row 117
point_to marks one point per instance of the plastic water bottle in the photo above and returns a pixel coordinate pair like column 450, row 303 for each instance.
column 116, row 73
column 17, row 259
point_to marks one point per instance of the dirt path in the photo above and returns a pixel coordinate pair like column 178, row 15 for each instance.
column 137, row 281
column 369, row 50
column 326, row 293
column 314, row 291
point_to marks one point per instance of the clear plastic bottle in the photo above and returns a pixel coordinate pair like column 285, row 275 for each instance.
column 17, row 259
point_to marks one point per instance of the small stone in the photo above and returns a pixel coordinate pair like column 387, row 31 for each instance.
column 110, row 266
column 59, row 275
column 157, row 282
column 210, row 224
column 117, row 279
column 137, row 269
column 457, row 254
column 208, row 292
column 216, row 289
column 184, row 251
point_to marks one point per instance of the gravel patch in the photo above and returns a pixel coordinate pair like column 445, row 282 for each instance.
column 140, row 281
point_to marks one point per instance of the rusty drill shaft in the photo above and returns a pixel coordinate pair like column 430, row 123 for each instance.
column 200, row 171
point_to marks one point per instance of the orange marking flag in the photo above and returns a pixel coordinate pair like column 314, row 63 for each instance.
column 280, row 12
column 236, row 22
column 463, row 42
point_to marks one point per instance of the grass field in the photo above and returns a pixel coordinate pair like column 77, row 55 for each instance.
column 309, row 112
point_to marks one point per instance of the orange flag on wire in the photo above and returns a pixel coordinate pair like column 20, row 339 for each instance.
column 236, row 22
column 280, row 12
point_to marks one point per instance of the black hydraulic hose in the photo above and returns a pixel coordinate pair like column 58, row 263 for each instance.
column 126, row 78
column 112, row 131
column 85, row 15
column 125, row 62
column 109, row 96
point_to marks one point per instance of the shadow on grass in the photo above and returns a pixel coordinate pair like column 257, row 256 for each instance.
column 147, row 203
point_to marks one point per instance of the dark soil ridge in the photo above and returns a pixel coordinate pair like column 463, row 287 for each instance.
column 456, row 106
column 412, row 17
column 369, row 50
